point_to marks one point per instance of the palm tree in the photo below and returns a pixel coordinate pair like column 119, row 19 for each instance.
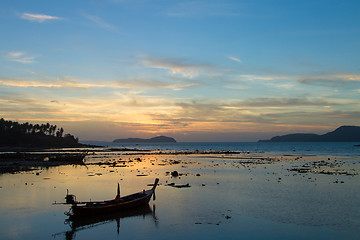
column 60, row 132
column 52, row 130
column 36, row 128
column 47, row 128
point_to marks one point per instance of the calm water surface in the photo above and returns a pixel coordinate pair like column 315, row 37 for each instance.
column 227, row 201
column 307, row 148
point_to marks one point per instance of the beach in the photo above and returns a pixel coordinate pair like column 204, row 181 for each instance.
column 216, row 195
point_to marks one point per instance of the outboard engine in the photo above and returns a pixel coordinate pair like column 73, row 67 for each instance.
column 70, row 198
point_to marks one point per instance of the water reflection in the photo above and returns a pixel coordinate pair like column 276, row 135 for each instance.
column 79, row 224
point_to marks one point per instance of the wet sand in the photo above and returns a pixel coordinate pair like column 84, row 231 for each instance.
column 213, row 195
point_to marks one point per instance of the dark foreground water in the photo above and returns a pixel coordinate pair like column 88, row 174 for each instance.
column 229, row 198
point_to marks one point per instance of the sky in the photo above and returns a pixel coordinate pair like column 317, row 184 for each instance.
column 195, row 70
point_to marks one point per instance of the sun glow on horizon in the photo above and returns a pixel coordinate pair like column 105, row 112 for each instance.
column 104, row 75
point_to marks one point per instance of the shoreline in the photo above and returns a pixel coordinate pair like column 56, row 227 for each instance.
column 35, row 159
column 44, row 148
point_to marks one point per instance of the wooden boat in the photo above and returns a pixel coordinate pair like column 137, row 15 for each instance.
column 81, row 209
column 90, row 221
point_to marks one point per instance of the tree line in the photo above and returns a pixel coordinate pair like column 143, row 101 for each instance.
column 15, row 133
column 29, row 128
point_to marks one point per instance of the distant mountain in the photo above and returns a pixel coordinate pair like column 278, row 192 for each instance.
column 341, row 134
column 141, row 140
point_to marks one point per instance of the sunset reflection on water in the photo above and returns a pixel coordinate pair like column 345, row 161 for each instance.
column 228, row 196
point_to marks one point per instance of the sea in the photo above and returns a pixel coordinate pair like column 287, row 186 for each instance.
column 346, row 149
column 229, row 196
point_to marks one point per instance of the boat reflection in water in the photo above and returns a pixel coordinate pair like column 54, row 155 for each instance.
column 87, row 222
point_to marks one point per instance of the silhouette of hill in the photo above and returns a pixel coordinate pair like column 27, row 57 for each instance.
column 141, row 140
column 28, row 135
column 341, row 134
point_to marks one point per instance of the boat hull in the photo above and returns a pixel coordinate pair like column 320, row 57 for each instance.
column 98, row 208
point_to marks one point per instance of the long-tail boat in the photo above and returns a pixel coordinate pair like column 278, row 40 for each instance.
column 81, row 209
column 89, row 222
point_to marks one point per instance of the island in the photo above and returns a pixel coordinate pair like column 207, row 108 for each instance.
column 341, row 134
column 158, row 139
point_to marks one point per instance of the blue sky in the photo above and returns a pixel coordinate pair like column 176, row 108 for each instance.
column 203, row 70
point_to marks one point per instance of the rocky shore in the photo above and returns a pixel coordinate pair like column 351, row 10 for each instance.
column 16, row 159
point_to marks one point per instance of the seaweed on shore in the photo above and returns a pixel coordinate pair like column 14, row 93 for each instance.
column 27, row 161
column 324, row 167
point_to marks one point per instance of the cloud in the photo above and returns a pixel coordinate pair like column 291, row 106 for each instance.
column 175, row 66
column 253, row 77
column 334, row 80
column 121, row 106
column 331, row 80
column 284, row 102
column 153, row 114
column 219, row 114
column 39, row 17
column 203, row 115
column 246, row 81
column 286, row 86
column 46, row 84
column 21, row 57
column 316, row 117
column 17, row 103
column 73, row 82
column 234, row 59
column 290, row 81
column 101, row 23
column 140, row 83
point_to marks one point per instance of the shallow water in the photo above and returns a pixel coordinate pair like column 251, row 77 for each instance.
column 230, row 199
column 307, row 148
